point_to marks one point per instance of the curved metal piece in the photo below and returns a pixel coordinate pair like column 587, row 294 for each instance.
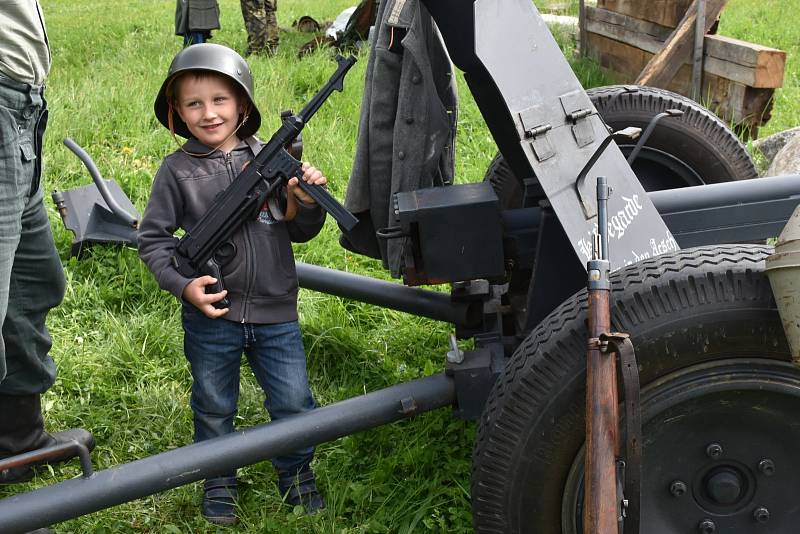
column 649, row 130
column 112, row 204
column 59, row 452
column 588, row 208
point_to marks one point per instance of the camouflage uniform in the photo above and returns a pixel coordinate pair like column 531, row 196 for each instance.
column 261, row 24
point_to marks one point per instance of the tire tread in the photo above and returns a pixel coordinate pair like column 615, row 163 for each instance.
column 700, row 276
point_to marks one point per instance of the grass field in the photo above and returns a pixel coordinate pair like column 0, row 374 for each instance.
column 118, row 337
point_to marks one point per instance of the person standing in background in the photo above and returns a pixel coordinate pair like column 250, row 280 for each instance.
column 262, row 26
column 31, row 277
column 194, row 19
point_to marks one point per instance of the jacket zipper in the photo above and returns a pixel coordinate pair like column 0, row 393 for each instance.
column 247, row 242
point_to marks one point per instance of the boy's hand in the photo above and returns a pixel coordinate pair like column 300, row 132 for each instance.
column 312, row 176
column 195, row 293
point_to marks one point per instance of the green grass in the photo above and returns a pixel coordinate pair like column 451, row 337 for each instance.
column 117, row 337
column 771, row 23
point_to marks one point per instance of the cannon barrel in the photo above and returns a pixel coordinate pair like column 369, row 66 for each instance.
column 729, row 212
column 126, row 482
column 727, row 193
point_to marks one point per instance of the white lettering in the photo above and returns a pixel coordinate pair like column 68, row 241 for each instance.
column 585, row 246
column 662, row 246
column 620, row 221
column 641, row 256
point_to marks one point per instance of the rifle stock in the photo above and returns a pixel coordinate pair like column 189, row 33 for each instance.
column 600, row 512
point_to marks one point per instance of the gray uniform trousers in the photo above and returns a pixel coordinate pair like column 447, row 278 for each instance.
column 31, row 277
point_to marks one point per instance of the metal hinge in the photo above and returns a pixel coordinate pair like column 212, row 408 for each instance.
column 577, row 109
column 535, row 128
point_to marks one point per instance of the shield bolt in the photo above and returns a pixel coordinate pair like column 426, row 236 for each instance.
column 707, row 526
column 714, row 450
column 677, row 488
column 767, row 467
column 761, row 514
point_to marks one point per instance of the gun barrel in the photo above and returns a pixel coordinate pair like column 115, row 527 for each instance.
column 335, row 83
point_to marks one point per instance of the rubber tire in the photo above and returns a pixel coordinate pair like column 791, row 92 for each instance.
column 698, row 138
column 681, row 309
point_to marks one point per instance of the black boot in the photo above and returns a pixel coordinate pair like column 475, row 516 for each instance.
column 22, row 430
column 301, row 488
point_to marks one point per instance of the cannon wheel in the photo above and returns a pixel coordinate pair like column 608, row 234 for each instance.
column 693, row 149
column 715, row 369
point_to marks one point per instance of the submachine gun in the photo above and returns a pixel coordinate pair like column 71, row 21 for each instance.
column 206, row 247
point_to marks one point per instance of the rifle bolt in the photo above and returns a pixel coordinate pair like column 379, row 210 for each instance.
column 767, row 467
column 714, row 450
column 761, row 514
column 707, row 526
column 677, row 488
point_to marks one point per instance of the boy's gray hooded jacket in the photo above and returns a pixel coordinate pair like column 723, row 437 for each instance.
column 261, row 279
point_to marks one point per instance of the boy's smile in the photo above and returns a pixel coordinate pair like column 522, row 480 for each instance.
column 210, row 107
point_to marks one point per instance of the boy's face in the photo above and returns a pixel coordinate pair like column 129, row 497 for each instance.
column 210, row 106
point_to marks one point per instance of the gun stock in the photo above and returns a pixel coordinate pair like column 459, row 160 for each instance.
column 600, row 513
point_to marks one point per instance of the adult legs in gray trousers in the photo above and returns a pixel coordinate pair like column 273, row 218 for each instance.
column 31, row 278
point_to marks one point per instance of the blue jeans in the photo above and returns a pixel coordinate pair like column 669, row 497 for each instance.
column 277, row 358
column 196, row 37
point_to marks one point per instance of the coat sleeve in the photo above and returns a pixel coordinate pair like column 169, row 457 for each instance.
column 307, row 223
column 156, row 237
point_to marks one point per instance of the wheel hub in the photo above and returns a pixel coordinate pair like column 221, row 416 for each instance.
column 724, row 486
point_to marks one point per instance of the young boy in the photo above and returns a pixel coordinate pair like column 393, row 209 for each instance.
column 207, row 97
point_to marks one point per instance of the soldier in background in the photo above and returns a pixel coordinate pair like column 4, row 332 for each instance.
column 262, row 26
column 194, row 20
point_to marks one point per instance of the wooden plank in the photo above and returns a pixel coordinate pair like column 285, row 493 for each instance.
column 732, row 101
column 663, row 66
column 733, row 57
column 750, row 64
column 664, row 12
column 625, row 61
column 639, row 33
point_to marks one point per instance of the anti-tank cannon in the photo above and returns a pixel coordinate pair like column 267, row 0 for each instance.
column 713, row 358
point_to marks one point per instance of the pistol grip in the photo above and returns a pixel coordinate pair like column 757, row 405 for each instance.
column 214, row 269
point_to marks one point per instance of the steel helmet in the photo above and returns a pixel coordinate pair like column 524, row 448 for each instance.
column 213, row 58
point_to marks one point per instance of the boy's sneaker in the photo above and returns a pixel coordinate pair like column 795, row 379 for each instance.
column 219, row 500
column 301, row 488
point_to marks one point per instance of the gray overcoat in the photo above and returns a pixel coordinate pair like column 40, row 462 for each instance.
column 196, row 15
column 407, row 126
